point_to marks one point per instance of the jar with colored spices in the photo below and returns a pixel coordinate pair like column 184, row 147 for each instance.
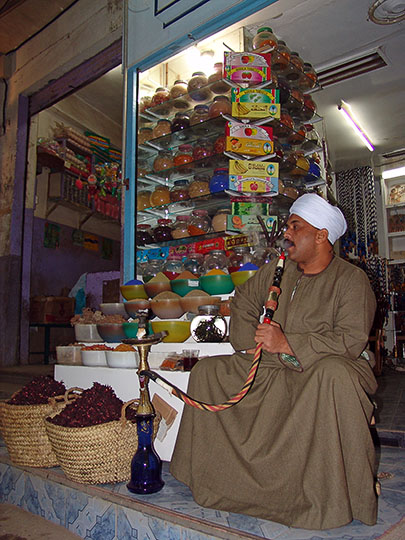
column 173, row 266
column 309, row 109
column 200, row 186
column 180, row 227
column 297, row 136
column 265, row 40
column 145, row 103
column 220, row 220
column 151, row 269
column 220, row 105
column 162, row 128
column 179, row 191
column 295, row 102
column 178, row 95
column 161, row 195
column 310, row 79
column 163, row 231
column 160, row 100
column 199, row 114
column 200, row 223
column 197, row 87
column 219, row 145
column 280, row 58
column 284, row 126
column 143, row 199
column 202, row 149
column 145, row 134
column 219, row 180
column 180, row 121
column 194, row 263
column 143, row 234
column 183, row 155
column 300, row 164
column 295, row 68
column 163, row 161
column 239, row 256
column 216, row 82
column 216, row 260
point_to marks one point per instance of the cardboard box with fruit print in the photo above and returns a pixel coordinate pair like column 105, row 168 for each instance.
column 255, row 103
column 246, row 67
column 249, row 139
column 253, row 176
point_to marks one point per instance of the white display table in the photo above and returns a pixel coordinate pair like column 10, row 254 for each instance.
column 126, row 386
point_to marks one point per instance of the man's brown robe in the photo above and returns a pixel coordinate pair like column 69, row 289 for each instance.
column 297, row 449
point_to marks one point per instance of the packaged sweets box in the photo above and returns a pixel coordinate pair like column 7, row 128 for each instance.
column 51, row 309
column 250, row 223
column 249, row 139
column 253, row 176
column 247, row 67
column 255, row 103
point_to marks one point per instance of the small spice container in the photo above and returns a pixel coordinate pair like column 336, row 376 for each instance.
column 311, row 140
column 179, row 191
column 220, row 105
column 219, row 180
column 310, row 79
column 264, row 40
column 163, row 161
column 145, row 134
column 300, row 164
column 199, row 114
column 183, row 155
column 197, row 87
column 208, row 326
column 200, row 186
column 161, row 195
column 145, row 103
column 143, row 234
column 280, row 57
column 200, row 223
column 180, row 121
column 180, row 227
column 216, row 82
column 202, row 149
column 162, row 128
column 177, row 95
column 295, row 68
column 143, row 200
column 219, row 221
column 163, row 231
column 194, row 263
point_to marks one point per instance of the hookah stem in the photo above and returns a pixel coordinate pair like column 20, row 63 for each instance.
column 271, row 306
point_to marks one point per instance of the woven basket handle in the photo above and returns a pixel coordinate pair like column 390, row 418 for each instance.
column 124, row 408
column 65, row 397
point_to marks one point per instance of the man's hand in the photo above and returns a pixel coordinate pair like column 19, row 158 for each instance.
column 273, row 338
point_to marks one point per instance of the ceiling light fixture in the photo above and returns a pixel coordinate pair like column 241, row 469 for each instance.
column 347, row 112
column 394, row 173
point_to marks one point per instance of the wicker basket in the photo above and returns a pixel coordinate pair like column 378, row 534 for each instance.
column 97, row 454
column 23, row 431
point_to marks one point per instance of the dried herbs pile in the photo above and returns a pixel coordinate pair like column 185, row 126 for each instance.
column 38, row 391
column 96, row 405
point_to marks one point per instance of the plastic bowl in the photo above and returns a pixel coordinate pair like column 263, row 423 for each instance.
column 152, row 288
column 217, row 284
column 190, row 303
column 87, row 333
column 239, row 278
column 130, row 329
column 167, row 308
column 94, row 358
column 111, row 332
column 184, row 286
column 130, row 292
column 114, row 308
column 122, row 359
column 177, row 331
column 132, row 307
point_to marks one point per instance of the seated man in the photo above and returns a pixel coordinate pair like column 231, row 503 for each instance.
column 297, row 448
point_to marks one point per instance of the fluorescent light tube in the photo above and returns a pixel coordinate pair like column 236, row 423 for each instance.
column 345, row 109
column 393, row 173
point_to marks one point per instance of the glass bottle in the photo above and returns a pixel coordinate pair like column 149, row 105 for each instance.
column 180, row 121
column 216, row 82
column 216, row 260
column 219, row 180
column 220, row 105
column 179, row 191
column 280, row 57
column 220, row 220
column 183, row 155
column 264, row 40
column 200, row 223
column 163, row 231
column 161, row 195
column 199, row 114
column 203, row 148
column 200, row 185
column 180, row 227
column 162, row 128
column 178, row 95
column 163, row 161
column 239, row 256
column 197, row 87
column 143, row 234
column 295, row 68
column 208, row 326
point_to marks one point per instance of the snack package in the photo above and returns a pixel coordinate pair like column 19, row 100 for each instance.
column 249, row 223
column 246, row 67
column 249, row 139
column 253, row 176
column 255, row 103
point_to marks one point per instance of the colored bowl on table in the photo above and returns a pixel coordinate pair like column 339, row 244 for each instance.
column 133, row 307
column 167, row 308
column 111, row 332
column 152, row 288
column 177, row 331
column 94, row 358
column 114, row 308
column 130, row 292
column 239, row 278
column 122, row 359
column 217, row 284
column 130, row 329
column 190, row 304
column 184, row 286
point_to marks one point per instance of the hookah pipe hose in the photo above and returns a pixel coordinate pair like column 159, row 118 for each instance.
column 271, row 306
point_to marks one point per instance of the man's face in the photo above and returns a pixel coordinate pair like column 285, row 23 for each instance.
column 300, row 239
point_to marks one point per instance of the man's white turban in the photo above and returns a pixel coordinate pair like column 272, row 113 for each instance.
column 320, row 214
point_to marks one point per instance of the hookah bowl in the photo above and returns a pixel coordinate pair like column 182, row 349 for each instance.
column 146, row 465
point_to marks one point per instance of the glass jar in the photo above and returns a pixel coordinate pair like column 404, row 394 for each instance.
column 180, row 121
column 143, row 199
column 216, row 260
column 194, row 263
column 145, row 103
column 159, row 99
column 278, row 150
column 219, row 180
column 290, row 190
column 262, row 255
column 202, row 149
column 220, row 105
column 183, row 155
column 180, row 227
column 160, row 195
column 179, row 191
column 216, row 82
column 197, row 87
column 162, row 128
column 163, row 161
column 220, row 220
column 200, row 186
column 314, row 171
column 208, row 326
column 295, row 102
column 310, row 80
column 142, row 168
column 239, row 256
column 172, row 266
column 295, row 68
column 143, row 234
column 151, row 269
column 199, row 114
column 163, row 231
column 219, row 145
column 300, row 164
column 178, row 95
column 145, row 134
column 280, row 58
column 311, row 140
column 264, row 39
column 200, row 223
column 284, row 126
column 297, row 136
column 309, row 109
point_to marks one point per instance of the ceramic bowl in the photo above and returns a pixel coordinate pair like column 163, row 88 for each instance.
column 184, row 286
column 130, row 329
column 133, row 306
column 152, row 288
column 177, row 331
column 94, row 358
column 130, row 292
column 87, row 333
column 167, row 308
column 114, row 308
column 242, row 276
column 111, row 332
column 217, row 284
column 122, row 359
column 190, row 303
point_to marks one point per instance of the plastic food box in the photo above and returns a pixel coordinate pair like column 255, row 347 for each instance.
column 69, row 355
